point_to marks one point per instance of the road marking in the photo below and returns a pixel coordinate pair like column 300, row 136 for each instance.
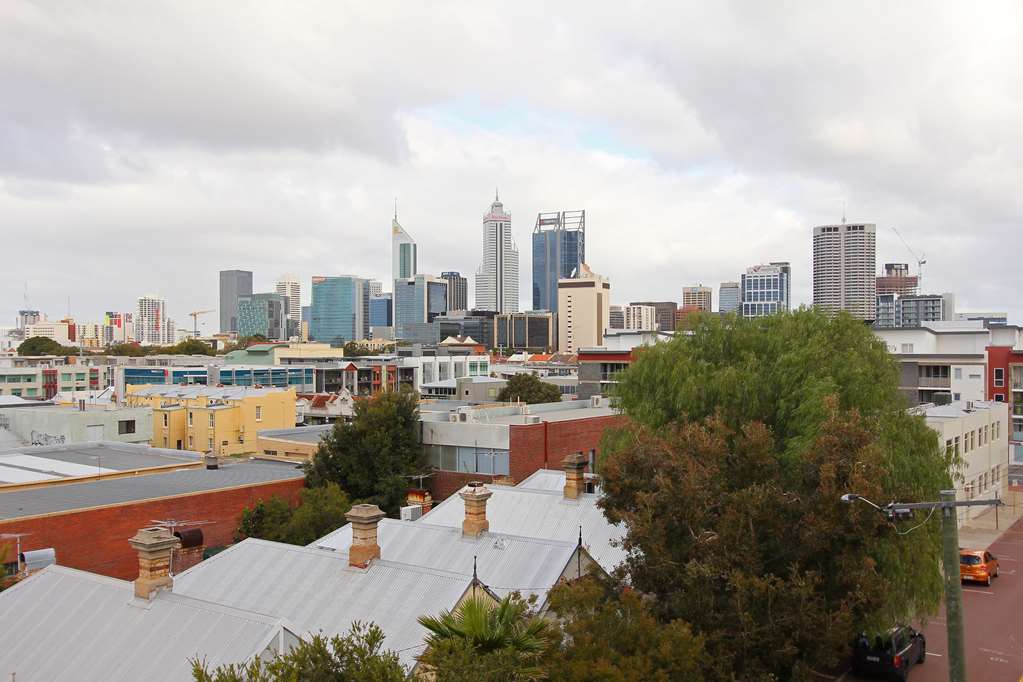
column 988, row 593
column 993, row 651
column 931, row 653
column 1005, row 558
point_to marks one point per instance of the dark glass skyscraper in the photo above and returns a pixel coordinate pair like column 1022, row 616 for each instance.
column 559, row 249
column 233, row 283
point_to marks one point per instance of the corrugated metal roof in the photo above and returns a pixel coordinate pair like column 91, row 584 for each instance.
column 505, row 563
column 549, row 479
column 65, row 624
column 194, row 391
column 299, row 434
column 18, row 503
column 319, row 591
column 542, row 514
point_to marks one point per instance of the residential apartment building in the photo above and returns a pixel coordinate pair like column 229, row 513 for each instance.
column 266, row 314
column 418, row 300
column 1005, row 380
column 729, row 297
column 699, row 296
column 340, row 309
column 599, row 366
column 224, row 421
column 497, row 279
column 664, row 313
column 118, row 328
column 63, row 332
column 844, row 267
column 289, row 287
column 43, row 382
column 616, row 317
column 584, row 303
column 765, row 290
column 940, row 363
column 559, row 250
column 897, row 280
column 458, row 290
column 533, row 330
column 153, row 327
column 917, row 309
column 233, row 284
column 640, row 317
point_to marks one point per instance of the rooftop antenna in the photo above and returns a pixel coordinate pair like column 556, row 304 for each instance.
column 843, row 211
column 396, row 209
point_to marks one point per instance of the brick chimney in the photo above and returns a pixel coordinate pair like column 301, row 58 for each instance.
column 154, row 546
column 575, row 484
column 364, row 519
column 475, row 495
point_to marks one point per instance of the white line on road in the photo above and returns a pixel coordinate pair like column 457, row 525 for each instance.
column 931, row 653
column 988, row 593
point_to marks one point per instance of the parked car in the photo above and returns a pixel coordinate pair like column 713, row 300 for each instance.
column 977, row 565
column 891, row 654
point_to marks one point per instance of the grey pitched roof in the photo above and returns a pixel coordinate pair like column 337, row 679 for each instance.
column 65, row 624
column 505, row 563
column 542, row 514
column 31, row 502
column 549, row 479
column 299, row 434
column 51, row 462
column 319, row 591
column 193, row 391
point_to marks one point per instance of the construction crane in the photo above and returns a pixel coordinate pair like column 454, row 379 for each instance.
column 920, row 260
column 195, row 321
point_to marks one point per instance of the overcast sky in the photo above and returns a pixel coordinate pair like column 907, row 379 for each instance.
column 146, row 146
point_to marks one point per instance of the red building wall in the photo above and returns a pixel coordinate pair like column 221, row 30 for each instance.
column 96, row 540
column 1000, row 357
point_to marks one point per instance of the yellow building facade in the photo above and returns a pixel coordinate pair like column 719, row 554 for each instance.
column 224, row 421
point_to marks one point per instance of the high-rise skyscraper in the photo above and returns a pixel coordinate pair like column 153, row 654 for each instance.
column 664, row 312
column 897, row 280
column 458, row 290
column 728, row 297
column 640, row 317
column 288, row 286
column 376, row 287
column 418, row 300
column 152, row 328
column 699, row 296
column 584, row 307
column 497, row 279
column 233, row 283
column 340, row 310
column 765, row 289
column 403, row 250
column 265, row 314
column 559, row 249
column 844, row 268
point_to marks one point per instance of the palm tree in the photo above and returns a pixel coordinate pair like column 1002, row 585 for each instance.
column 485, row 627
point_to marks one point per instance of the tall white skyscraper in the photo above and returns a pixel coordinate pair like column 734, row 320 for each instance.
column 403, row 251
column 845, row 268
column 497, row 279
column 289, row 288
column 152, row 328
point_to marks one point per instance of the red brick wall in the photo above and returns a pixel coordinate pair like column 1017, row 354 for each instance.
column 444, row 484
column 96, row 540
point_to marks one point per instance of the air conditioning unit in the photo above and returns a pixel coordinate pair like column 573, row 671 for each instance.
column 594, row 401
column 532, row 419
column 412, row 512
column 969, row 406
column 452, row 416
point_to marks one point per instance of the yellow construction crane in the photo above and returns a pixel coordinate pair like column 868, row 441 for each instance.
column 195, row 321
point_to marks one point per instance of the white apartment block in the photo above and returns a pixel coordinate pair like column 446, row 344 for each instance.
column 845, row 268
column 152, row 327
column 61, row 332
column 289, row 287
column 497, row 278
column 976, row 433
column 583, row 311
column 640, row 317
column 943, row 358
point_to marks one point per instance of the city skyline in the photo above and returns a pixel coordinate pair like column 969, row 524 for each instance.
column 674, row 189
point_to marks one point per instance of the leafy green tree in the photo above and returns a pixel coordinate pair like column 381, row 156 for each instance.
column 354, row 349
column 320, row 511
column 375, row 455
column 190, row 347
column 612, row 635
column 744, row 436
column 132, row 350
column 355, row 657
column 40, row 345
column 485, row 640
column 528, row 389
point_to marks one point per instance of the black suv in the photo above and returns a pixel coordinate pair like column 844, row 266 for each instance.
column 889, row 655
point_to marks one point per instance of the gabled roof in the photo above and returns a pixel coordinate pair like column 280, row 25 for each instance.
column 504, row 563
column 542, row 514
column 65, row 624
column 320, row 592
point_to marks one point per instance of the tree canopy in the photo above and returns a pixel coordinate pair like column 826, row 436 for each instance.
column 528, row 389
column 41, row 345
column 320, row 511
column 744, row 434
column 375, row 455
column 358, row 656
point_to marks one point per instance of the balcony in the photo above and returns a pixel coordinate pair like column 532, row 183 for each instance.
column 934, row 382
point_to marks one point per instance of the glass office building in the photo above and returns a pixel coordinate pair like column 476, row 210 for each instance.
column 417, row 300
column 765, row 290
column 340, row 310
column 559, row 250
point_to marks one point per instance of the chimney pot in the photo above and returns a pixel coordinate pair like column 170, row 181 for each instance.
column 475, row 496
column 574, row 479
column 154, row 546
column 364, row 548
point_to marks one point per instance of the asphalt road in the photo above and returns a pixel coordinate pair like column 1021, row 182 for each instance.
column 994, row 623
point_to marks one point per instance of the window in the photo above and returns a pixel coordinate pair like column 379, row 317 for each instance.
column 955, row 446
column 957, row 396
column 907, row 348
column 958, row 373
column 212, row 419
column 191, row 443
column 259, row 413
column 189, row 419
column 165, row 420
column 999, row 377
column 210, row 444
column 125, row 426
column 999, row 397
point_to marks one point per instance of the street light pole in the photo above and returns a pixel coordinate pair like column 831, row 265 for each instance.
column 950, row 564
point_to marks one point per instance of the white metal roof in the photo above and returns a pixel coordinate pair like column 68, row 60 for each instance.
column 549, row 479
column 319, row 591
column 200, row 391
column 65, row 624
column 505, row 563
column 542, row 514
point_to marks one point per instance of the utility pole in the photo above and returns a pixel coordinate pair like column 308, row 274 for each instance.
column 950, row 564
